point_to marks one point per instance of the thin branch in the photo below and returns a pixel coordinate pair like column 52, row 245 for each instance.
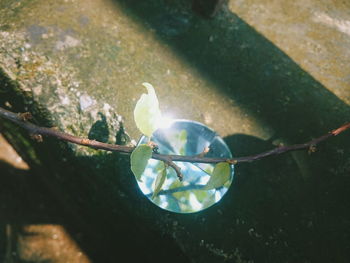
column 180, row 189
column 21, row 120
column 169, row 162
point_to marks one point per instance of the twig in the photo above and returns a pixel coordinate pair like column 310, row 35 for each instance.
column 169, row 159
column 169, row 162
column 35, row 130
column 180, row 189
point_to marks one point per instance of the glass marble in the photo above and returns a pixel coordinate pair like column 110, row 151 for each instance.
column 183, row 137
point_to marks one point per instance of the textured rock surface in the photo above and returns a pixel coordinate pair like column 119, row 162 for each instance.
column 259, row 73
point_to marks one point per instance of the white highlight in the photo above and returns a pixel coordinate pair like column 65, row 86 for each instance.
column 67, row 43
column 165, row 122
column 195, row 205
column 339, row 24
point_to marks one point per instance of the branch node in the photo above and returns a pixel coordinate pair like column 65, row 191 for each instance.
column 202, row 154
column 85, row 141
column 154, row 146
column 177, row 169
column 312, row 149
column 25, row 116
column 231, row 161
column 36, row 137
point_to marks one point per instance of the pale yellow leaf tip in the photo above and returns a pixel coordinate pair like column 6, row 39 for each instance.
column 148, row 86
column 147, row 114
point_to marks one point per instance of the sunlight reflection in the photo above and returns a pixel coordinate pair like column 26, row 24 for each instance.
column 184, row 137
column 165, row 122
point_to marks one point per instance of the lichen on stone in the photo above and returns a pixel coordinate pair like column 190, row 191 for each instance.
column 56, row 87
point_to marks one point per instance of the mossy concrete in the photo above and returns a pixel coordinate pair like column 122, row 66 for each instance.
column 260, row 73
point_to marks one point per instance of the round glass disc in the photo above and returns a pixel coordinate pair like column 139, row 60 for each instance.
column 183, row 137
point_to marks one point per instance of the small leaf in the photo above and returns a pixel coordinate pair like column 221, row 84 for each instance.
column 159, row 181
column 220, row 176
column 147, row 113
column 139, row 159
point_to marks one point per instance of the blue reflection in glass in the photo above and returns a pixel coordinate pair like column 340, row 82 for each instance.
column 183, row 137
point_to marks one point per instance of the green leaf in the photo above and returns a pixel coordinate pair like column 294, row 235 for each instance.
column 147, row 113
column 220, row 176
column 159, row 181
column 139, row 159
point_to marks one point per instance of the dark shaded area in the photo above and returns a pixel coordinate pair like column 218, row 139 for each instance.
column 72, row 197
column 121, row 138
column 272, row 213
column 294, row 217
column 86, row 195
column 17, row 193
column 99, row 130
column 207, row 8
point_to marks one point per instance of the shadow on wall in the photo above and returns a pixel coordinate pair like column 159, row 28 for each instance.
column 296, row 192
column 83, row 197
column 99, row 130
column 246, row 67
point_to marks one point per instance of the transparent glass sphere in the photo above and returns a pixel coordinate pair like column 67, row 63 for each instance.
column 183, row 137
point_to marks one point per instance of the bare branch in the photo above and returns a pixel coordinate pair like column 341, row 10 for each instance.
column 53, row 132
column 169, row 162
column 22, row 120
